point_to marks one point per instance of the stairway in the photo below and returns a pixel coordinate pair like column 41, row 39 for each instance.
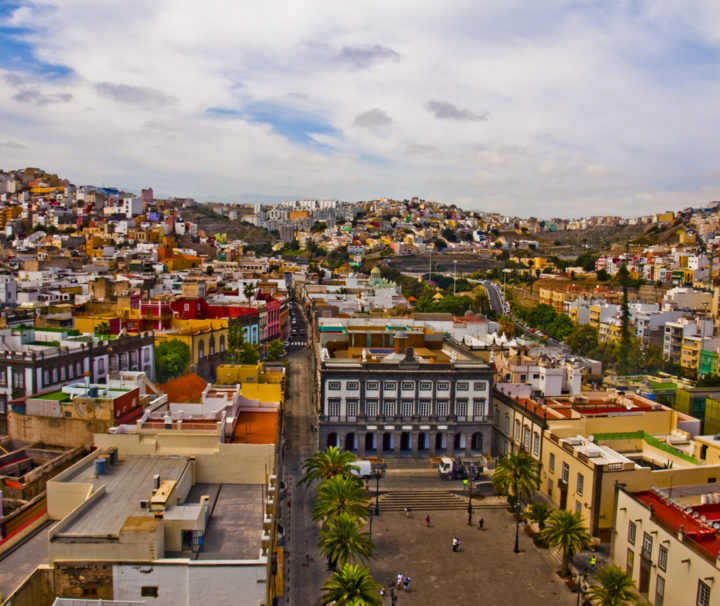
column 421, row 500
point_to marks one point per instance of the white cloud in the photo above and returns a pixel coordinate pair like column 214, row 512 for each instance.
column 571, row 109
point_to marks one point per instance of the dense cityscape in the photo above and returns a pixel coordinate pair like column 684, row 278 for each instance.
column 193, row 391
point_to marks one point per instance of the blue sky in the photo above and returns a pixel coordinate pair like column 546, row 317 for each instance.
column 548, row 109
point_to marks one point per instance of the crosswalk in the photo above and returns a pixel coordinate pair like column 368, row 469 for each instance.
column 297, row 343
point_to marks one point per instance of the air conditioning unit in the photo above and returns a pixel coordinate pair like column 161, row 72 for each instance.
column 144, row 503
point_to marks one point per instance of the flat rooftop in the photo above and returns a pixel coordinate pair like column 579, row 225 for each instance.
column 127, row 482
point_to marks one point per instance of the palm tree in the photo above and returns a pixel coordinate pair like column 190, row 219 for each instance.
column 615, row 588
column 339, row 495
column 343, row 541
column 249, row 291
column 325, row 464
column 517, row 475
column 352, row 586
column 566, row 531
column 507, row 326
column 538, row 513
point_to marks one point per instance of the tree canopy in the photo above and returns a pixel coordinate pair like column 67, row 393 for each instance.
column 171, row 359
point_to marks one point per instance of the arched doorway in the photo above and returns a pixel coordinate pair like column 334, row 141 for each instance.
column 370, row 442
column 423, row 443
column 388, row 444
column 405, row 441
column 350, row 443
column 440, row 443
column 476, row 443
column 332, row 439
column 459, row 441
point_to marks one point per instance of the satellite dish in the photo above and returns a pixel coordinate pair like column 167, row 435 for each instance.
column 591, row 437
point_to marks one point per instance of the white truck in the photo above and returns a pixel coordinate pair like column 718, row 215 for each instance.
column 364, row 468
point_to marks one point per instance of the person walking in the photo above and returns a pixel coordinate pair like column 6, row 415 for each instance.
column 407, row 512
column 400, row 579
column 406, row 584
column 481, row 523
column 593, row 563
column 456, row 543
column 427, row 520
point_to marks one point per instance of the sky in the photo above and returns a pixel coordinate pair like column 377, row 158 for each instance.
column 545, row 109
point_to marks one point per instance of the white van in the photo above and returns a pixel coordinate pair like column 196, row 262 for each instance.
column 362, row 469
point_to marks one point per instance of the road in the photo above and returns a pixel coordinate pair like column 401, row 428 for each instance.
column 304, row 568
column 21, row 561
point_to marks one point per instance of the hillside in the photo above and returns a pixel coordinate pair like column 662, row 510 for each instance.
column 213, row 223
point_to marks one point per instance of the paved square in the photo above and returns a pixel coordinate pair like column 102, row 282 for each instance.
column 485, row 571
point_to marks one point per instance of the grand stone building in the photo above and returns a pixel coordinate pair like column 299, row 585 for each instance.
column 395, row 388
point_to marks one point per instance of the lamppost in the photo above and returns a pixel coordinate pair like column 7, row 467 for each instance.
column 370, row 517
column 469, row 507
column 376, row 474
column 580, row 583
column 518, row 511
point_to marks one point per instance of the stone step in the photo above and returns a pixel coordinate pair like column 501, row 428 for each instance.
column 421, row 500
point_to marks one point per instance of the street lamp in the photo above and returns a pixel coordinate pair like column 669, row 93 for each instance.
column 469, row 507
column 580, row 582
column 376, row 474
column 370, row 517
column 518, row 511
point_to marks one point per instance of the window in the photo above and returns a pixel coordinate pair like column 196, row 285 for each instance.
column 536, row 444
column 551, row 463
column 425, row 385
column 517, row 430
column 408, row 386
column 352, row 386
column 443, row 408
column 372, row 385
column 201, row 350
column 580, row 484
column 390, row 386
column 46, row 377
column 151, row 592
column 351, row 407
column 55, row 374
column 479, row 386
column 703, row 594
column 3, row 376
column 662, row 558
column 497, row 417
column 462, row 386
column 659, row 591
column 62, row 373
column 507, row 423
column 565, row 473
column 526, row 439
column 424, row 408
column 443, row 386
column 371, row 408
column 578, row 507
column 78, row 369
column 222, row 348
column 389, row 408
column 101, row 366
column 461, row 408
column 146, row 351
column 479, row 408
column 630, row 562
column 632, row 531
column 647, row 546
column 549, row 487
column 334, row 385
column 70, row 372
column 211, row 350
column 406, row 408
column 334, row 407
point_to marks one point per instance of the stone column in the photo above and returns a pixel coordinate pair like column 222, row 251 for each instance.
column 449, row 443
column 361, row 443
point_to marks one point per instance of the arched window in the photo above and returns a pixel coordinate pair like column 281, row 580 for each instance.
column 201, row 350
column 222, row 343
column 211, row 346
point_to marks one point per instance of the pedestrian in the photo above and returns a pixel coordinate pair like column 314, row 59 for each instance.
column 406, row 584
column 593, row 562
column 400, row 579
column 455, row 543
column 407, row 512
column 469, row 519
column 382, row 592
column 481, row 523
column 427, row 520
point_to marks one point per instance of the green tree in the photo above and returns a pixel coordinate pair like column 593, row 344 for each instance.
column 342, row 541
column 538, row 513
column 236, row 340
column 507, row 326
column 481, row 301
column 248, row 354
column 351, row 586
column 171, row 359
column 274, row 350
column 102, row 329
column 566, row 531
column 325, row 464
column 516, row 475
column 615, row 588
column 583, row 339
column 602, row 275
column 249, row 291
column 339, row 495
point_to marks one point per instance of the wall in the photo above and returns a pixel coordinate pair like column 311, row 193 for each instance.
column 215, row 462
column 36, row 590
column 60, row 432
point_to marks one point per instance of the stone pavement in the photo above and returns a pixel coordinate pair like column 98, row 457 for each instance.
column 485, row 571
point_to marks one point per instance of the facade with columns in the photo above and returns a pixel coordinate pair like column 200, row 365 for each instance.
column 406, row 405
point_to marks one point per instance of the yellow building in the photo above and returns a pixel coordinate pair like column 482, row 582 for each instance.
column 206, row 339
column 256, row 381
